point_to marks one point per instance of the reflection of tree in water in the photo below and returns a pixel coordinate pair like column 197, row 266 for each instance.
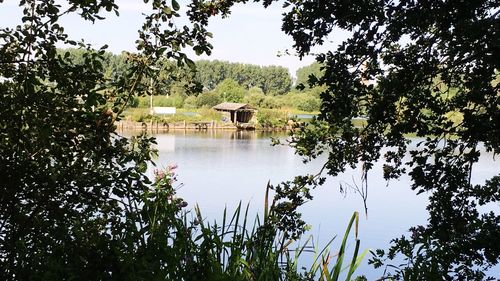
column 243, row 135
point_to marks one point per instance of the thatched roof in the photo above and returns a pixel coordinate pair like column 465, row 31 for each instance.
column 232, row 106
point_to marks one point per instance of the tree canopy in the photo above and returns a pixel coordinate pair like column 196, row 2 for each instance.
column 75, row 201
column 72, row 190
column 428, row 61
column 424, row 68
column 71, row 187
column 230, row 91
column 207, row 75
column 271, row 79
column 303, row 73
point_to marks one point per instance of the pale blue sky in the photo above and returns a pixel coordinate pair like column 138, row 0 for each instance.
column 251, row 34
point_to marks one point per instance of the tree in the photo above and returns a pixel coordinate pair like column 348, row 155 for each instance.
column 305, row 72
column 230, row 91
column 71, row 188
column 210, row 73
column 175, row 80
column 171, row 79
column 75, row 203
column 255, row 96
column 275, row 79
column 208, row 99
column 446, row 66
column 408, row 66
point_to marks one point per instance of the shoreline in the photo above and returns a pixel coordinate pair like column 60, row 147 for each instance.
column 156, row 126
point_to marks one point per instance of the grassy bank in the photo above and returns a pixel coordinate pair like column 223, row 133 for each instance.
column 263, row 118
column 188, row 115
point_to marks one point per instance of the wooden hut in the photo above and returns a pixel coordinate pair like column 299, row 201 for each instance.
column 236, row 112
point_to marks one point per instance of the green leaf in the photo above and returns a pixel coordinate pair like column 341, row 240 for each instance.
column 175, row 5
column 167, row 11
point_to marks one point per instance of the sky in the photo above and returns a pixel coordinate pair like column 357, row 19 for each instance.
column 251, row 34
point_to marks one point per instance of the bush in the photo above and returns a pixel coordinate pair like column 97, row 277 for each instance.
column 171, row 101
column 208, row 114
column 307, row 103
column 288, row 99
column 137, row 114
column 239, row 248
column 230, row 91
column 134, row 102
column 271, row 102
column 254, row 98
column 255, row 90
column 190, row 102
column 143, row 102
column 208, row 99
column 269, row 118
column 304, row 101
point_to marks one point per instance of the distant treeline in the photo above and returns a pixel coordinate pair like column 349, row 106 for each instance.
column 270, row 79
column 216, row 81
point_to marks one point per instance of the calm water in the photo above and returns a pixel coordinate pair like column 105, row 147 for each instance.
column 223, row 168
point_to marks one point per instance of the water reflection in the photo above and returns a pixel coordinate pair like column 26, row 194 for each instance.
column 222, row 168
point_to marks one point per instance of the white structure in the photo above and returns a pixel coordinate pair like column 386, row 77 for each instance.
column 163, row 110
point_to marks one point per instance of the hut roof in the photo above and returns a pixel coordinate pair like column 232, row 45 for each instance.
column 232, row 106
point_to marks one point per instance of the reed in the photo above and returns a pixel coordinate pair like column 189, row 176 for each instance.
column 182, row 245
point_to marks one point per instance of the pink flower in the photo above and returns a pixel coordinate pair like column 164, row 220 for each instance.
column 159, row 174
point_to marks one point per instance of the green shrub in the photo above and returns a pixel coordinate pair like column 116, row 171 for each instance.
column 316, row 91
column 307, row 103
column 257, row 98
column 143, row 102
column 255, row 90
column 190, row 102
column 254, row 98
column 133, row 102
column 271, row 102
column 269, row 118
column 208, row 114
column 171, row 101
column 303, row 101
column 208, row 99
column 137, row 114
column 230, row 91
column 288, row 99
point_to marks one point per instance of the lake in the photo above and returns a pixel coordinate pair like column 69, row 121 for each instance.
column 222, row 168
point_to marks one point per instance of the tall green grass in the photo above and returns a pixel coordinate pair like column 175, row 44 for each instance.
column 171, row 243
column 241, row 248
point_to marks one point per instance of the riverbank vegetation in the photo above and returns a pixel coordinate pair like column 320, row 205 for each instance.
column 76, row 202
column 193, row 92
column 426, row 68
column 213, row 82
